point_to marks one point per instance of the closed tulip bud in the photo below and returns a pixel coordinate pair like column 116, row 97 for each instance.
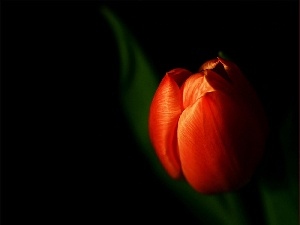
column 208, row 127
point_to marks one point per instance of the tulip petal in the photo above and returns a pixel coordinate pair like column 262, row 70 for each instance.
column 247, row 92
column 218, row 82
column 216, row 150
column 201, row 83
column 194, row 88
column 179, row 75
column 210, row 64
column 241, row 85
column 233, row 72
column 165, row 110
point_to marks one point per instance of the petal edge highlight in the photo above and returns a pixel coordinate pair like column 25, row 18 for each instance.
column 165, row 110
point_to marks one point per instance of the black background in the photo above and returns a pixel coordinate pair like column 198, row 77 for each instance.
column 68, row 154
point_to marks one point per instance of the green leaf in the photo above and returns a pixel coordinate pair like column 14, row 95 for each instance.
column 138, row 83
column 281, row 200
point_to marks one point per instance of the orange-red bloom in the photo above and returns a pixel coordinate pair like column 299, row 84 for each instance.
column 208, row 127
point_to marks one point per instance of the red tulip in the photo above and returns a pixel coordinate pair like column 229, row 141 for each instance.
column 209, row 127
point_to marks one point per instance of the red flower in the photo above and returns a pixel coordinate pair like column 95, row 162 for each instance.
column 208, row 127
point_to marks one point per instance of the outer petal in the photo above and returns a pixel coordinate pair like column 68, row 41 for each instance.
column 247, row 91
column 194, row 88
column 210, row 64
column 219, row 143
column 199, row 84
column 233, row 72
column 241, row 85
column 165, row 110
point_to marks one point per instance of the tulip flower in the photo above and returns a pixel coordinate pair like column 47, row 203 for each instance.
column 208, row 127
